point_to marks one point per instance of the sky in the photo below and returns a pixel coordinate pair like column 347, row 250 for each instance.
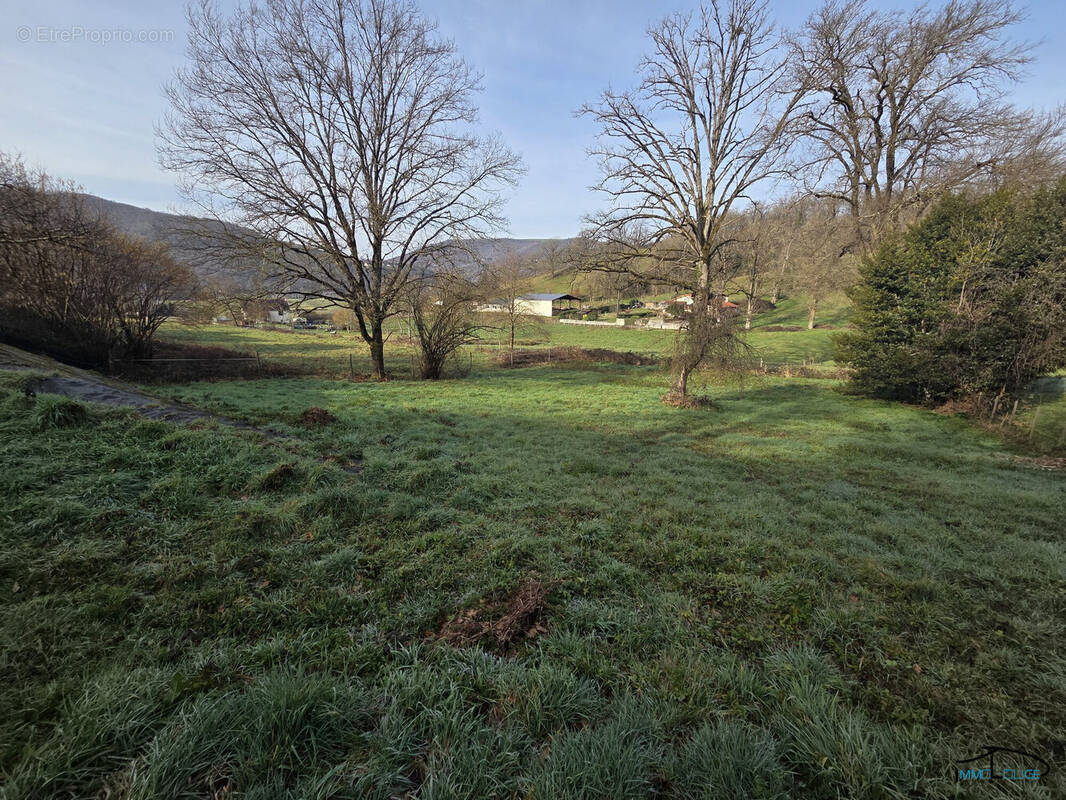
column 81, row 87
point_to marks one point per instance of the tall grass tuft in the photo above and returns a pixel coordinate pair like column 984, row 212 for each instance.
column 55, row 411
column 728, row 760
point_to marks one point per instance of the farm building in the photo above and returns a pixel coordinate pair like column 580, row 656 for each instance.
column 686, row 299
column 278, row 312
column 538, row 305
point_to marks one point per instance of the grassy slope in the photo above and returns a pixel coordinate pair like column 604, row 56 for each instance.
column 797, row 594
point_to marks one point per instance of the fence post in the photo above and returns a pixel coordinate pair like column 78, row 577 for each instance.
column 351, row 367
column 258, row 365
column 1036, row 415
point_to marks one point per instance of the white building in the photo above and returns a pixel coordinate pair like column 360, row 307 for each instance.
column 537, row 305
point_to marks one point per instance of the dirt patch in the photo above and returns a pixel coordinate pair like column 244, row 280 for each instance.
column 530, row 357
column 316, row 417
column 967, row 406
column 687, row 401
column 1049, row 463
column 277, row 477
column 500, row 624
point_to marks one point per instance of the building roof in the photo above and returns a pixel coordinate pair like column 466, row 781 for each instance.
column 553, row 297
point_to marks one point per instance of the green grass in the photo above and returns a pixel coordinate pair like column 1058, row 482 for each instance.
column 314, row 350
column 1041, row 426
column 834, row 312
column 331, row 354
column 797, row 594
column 335, row 354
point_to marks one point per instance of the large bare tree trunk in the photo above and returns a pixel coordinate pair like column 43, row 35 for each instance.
column 377, row 351
column 753, row 288
column 680, row 387
column 812, row 309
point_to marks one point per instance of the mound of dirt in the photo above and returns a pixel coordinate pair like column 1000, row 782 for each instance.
column 672, row 398
column 317, row 416
column 965, row 406
column 500, row 624
column 530, row 357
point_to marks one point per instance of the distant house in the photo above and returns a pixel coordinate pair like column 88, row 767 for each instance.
column 686, row 299
column 538, row 305
column 278, row 312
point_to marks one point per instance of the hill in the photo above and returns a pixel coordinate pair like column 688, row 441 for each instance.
column 179, row 231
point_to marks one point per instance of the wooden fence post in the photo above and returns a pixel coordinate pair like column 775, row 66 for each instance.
column 1036, row 416
column 258, row 365
column 351, row 367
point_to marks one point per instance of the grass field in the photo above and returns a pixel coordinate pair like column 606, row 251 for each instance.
column 795, row 593
column 337, row 353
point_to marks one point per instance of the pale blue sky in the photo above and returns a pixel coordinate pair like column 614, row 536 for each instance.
column 85, row 109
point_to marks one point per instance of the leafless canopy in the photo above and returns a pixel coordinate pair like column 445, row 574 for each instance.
column 904, row 106
column 69, row 283
column 708, row 123
column 338, row 131
column 705, row 125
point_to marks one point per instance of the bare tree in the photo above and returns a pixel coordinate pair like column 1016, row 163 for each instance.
column 755, row 250
column 71, row 285
column 506, row 282
column 443, row 317
column 902, row 107
column 706, row 125
column 148, row 282
column 338, row 131
column 822, row 260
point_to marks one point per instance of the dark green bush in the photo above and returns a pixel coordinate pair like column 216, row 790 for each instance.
column 970, row 301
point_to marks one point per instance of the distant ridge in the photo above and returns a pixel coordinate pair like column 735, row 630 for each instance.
column 174, row 229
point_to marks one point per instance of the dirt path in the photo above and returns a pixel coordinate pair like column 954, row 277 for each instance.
column 92, row 391
column 88, row 387
column 80, row 384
